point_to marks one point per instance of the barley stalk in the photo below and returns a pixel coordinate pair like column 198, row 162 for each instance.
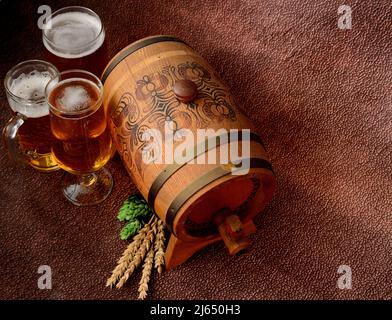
column 147, row 268
column 140, row 254
column 159, row 247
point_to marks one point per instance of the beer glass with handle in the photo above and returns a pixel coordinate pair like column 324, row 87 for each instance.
column 27, row 135
column 76, row 40
column 82, row 143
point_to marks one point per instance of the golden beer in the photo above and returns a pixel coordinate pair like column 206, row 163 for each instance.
column 27, row 135
column 36, row 139
column 82, row 144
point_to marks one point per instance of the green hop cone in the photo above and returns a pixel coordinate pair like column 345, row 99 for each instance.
column 130, row 229
column 136, row 212
column 134, row 207
column 123, row 213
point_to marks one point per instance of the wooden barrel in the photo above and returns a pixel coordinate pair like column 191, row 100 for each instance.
column 160, row 80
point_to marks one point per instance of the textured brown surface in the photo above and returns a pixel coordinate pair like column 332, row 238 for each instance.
column 322, row 98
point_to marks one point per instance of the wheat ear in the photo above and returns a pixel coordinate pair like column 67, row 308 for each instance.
column 127, row 256
column 159, row 247
column 140, row 254
column 147, row 268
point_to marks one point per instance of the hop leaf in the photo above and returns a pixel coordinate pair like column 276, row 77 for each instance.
column 130, row 229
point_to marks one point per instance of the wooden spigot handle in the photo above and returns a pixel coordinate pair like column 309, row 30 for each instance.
column 232, row 232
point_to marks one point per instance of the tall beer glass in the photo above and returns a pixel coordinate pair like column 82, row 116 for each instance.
column 76, row 40
column 27, row 135
column 82, row 143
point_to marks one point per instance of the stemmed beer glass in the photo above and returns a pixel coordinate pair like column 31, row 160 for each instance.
column 82, row 144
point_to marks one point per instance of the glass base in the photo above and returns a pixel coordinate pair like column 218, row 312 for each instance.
column 87, row 189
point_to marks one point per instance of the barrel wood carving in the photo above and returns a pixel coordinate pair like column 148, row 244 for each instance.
column 161, row 83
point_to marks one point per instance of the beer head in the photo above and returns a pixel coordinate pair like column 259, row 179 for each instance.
column 74, row 95
column 75, row 32
column 25, row 86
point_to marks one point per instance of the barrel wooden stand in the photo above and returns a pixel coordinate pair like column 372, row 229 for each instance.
column 161, row 83
column 178, row 251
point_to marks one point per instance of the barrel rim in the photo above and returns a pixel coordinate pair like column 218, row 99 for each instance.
column 247, row 210
column 203, row 181
column 171, row 169
column 133, row 47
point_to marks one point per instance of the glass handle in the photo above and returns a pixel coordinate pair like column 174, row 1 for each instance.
column 11, row 141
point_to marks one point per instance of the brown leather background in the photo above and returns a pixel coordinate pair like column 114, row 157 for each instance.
column 322, row 98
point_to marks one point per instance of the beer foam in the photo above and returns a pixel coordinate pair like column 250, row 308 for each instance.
column 73, row 97
column 30, row 86
column 73, row 35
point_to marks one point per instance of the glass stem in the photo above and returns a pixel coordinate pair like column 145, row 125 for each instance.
column 87, row 179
